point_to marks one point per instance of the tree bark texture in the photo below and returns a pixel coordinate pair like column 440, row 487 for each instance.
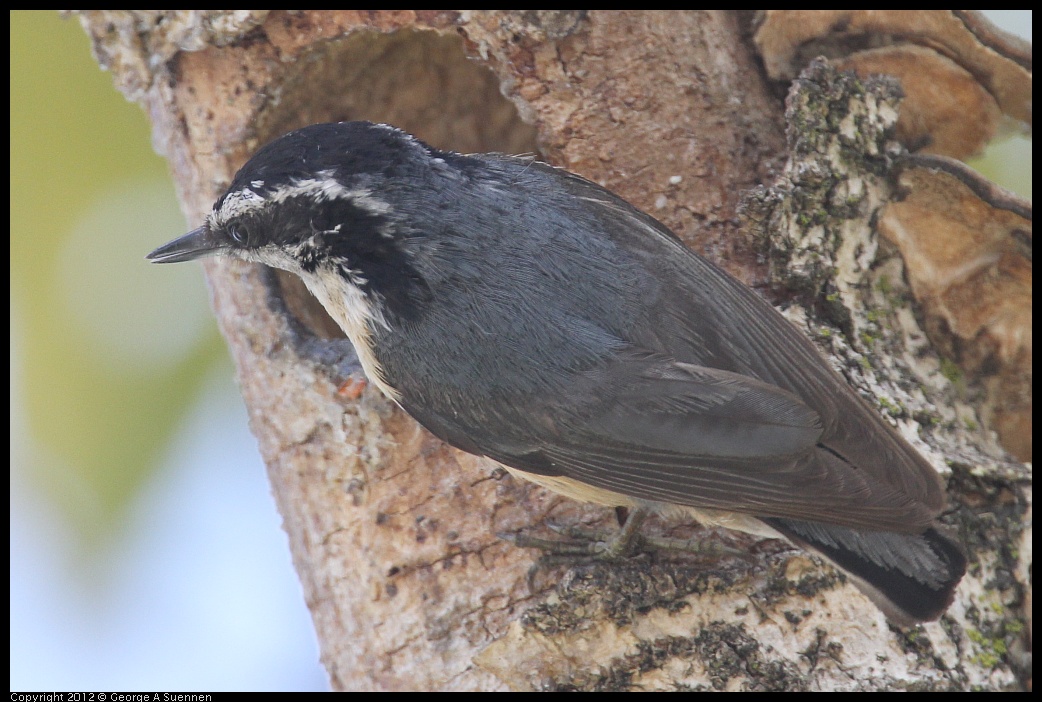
column 809, row 199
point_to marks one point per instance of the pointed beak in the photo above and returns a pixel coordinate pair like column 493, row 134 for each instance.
column 195, row 244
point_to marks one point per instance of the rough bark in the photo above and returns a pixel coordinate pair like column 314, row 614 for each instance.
column 394, row 534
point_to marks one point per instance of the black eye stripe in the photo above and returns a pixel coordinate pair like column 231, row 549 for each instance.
column 239, row 234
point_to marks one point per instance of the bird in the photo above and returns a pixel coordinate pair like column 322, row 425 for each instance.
column 521, row 312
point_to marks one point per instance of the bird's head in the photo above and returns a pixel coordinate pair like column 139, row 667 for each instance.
column 322, row 202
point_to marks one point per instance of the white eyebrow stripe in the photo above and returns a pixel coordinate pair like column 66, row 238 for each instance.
column 323, row 187
column 237, row 203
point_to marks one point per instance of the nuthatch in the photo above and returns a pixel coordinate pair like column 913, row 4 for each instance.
column 520, row 312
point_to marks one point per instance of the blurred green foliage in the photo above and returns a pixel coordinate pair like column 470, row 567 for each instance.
column 1007, row 161
column 93, row 398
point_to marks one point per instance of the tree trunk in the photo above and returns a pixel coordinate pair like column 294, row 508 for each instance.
column 394, row 534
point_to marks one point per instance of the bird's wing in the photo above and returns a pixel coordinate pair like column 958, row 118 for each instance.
column 662, row 431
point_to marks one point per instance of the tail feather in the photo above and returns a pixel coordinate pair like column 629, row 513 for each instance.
column 911, row 577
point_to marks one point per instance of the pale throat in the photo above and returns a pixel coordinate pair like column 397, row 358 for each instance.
column 352, row 310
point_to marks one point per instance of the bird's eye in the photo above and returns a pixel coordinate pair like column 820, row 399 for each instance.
column 239, row 234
